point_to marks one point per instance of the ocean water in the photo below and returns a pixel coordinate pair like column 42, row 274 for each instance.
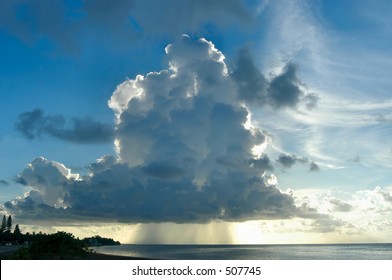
column 253, row 252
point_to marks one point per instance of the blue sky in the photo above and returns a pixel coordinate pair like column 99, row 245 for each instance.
column 270, row 117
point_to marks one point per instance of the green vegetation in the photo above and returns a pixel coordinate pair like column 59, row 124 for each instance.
column 42, row 246
column 100, row 241
column 60, row 245
column 7, row 237
column 3, row 225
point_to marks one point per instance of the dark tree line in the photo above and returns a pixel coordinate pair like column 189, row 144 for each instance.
column 100, row 241
column 55, row 246
column 6, row 224
column 60, row 245
column 9, row 237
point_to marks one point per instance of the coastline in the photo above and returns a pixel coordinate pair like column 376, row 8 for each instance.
column 100, row 256
column 7, row 255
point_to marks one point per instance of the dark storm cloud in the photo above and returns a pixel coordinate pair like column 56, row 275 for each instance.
column 4, row 183
column 314, row 167
column 252, row 85
column 20, row 180
column 124, row 194
column 280, row 91
column 102, row 164
column 30, row 123
column 288, row 161
column 83, row 131
column 163, row 170
column 284, row 89
column 263, row 163
column 183, row 154
column 68, row 25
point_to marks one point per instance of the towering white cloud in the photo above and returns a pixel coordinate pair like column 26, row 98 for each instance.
column 183, row 153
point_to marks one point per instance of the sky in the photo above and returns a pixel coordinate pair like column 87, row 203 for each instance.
column 211, row 121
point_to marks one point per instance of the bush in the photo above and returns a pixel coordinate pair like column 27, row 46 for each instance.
column 60, row 245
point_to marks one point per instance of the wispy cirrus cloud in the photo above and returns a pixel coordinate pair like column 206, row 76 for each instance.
column 353, row 100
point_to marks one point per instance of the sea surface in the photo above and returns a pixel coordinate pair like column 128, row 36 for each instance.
column 253, row 252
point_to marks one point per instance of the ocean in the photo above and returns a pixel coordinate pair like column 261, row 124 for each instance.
column 253, row 252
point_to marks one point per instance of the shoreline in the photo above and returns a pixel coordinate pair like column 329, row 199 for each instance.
column 100, row 256
column 7, row 255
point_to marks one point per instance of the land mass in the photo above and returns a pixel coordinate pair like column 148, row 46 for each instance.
column 57, row 246
column 15, row 245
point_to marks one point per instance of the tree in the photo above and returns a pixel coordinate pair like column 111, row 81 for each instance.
column 9, row 223
column 60, row 245
column 17, row 231
column 3, row 225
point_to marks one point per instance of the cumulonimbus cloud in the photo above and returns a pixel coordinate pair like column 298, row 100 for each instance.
column 183, row 153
